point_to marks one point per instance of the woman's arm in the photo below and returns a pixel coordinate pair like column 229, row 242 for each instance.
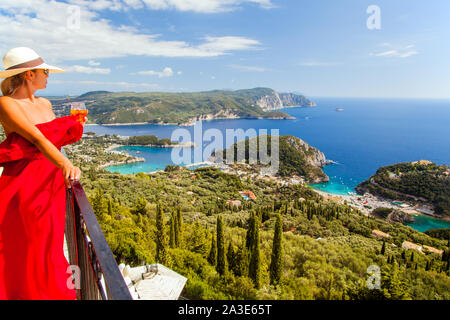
column 12, row 115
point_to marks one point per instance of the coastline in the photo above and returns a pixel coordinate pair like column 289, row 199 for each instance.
column 374, row 202
column 190, row 122
column 189, row 144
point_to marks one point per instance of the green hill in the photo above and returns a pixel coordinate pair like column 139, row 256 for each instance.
column 420, row 181
column 296, row 157
column 181, row 108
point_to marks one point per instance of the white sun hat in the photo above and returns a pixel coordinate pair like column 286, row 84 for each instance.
column 21, row 59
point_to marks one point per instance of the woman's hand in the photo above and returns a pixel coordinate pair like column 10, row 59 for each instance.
column 70, row 172
column 83, row 122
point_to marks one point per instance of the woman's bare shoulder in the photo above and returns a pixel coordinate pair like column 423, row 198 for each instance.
column 8, row 103
column 5, row 99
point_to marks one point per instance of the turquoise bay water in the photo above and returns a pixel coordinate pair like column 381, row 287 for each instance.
column 423, row 223
column 368, row 134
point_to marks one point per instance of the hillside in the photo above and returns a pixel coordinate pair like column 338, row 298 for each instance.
column 420, row 181
column 296, row 157
column 184, row 108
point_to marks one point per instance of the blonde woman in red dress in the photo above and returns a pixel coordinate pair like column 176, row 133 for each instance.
column 33, row 183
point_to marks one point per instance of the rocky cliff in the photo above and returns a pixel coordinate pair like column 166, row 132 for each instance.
column 275, row 100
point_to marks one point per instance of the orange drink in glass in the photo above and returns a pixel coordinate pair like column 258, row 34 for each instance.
column 79, row 110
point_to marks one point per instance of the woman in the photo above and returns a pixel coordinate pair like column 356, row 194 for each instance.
column 32, row 193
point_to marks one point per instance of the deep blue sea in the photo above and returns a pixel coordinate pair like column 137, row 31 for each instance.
column 367, row 134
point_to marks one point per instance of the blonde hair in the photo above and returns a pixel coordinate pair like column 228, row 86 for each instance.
column 10, row 85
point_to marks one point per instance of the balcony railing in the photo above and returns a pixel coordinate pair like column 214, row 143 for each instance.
column 97, row 276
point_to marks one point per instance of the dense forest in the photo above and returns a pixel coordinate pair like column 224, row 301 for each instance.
column 288, row 243
column 403, row 181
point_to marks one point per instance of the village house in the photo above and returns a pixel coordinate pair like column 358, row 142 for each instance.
column 380, row 234
column 247, row 195
column 433, row 250
column 409, row 245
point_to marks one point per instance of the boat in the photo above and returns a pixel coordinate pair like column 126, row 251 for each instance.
column 339, row 109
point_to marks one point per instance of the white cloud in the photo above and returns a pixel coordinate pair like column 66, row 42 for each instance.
column 204, row 6
column 113, row 5
column 248, row 68
column 88, row 70
column 166, row 73
column 223, row 44
column 23, row 22
column 199, row 6
column 93, row 63
column 318, row 64
column 396, row 52
column 106, row 83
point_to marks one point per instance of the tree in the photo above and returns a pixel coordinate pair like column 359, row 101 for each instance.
column 212, row 257
column 179, row 229
column 140, row 207
column 162, row 254
column 231, row 257
column 221, row 265
column 249, row 239
column 241, row 265
column 383, row 248
column 254, row 269
column 197, row 241
column 99, row 205
column 173, row 225
column 276, row 263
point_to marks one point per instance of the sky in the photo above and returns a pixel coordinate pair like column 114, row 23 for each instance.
column 323, row 48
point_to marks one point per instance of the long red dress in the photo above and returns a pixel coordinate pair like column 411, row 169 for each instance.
column 32, row 216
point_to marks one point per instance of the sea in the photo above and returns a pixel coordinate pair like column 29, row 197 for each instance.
column 363, row 136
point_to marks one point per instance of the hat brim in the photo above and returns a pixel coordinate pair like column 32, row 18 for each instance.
column 13, row 72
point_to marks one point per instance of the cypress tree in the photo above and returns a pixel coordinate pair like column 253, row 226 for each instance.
column 241, row 265
column 179, row 230
column 212, row 257
column 276, row 263
column 383, row 248
column 221, row 265
column 172, row 231
column 110, row 208
column 162, row 254
column 254, row 269
column 231, row 257
column 249, row 240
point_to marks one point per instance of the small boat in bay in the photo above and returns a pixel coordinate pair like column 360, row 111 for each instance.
column 339, row 109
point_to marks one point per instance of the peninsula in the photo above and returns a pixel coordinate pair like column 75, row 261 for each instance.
column 184, row 109
column 423, row 184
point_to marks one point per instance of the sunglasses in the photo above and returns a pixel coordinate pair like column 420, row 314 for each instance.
column 46, row 71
